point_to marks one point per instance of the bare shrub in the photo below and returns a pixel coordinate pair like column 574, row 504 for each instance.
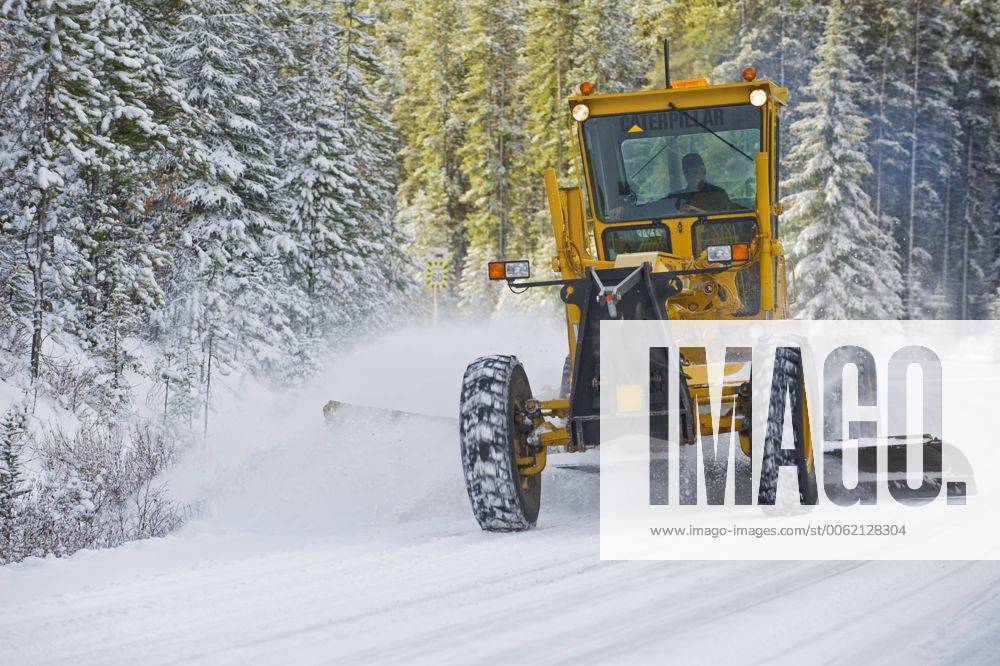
column 98, row 487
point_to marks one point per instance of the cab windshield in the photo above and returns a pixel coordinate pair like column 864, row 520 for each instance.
column 673, row 163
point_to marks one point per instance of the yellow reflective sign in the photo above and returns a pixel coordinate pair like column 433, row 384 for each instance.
column 436, row 274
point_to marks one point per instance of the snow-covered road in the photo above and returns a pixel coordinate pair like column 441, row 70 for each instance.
column 356, row 546
column 443, row 592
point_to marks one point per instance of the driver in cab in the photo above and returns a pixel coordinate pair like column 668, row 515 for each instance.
column 700, row 196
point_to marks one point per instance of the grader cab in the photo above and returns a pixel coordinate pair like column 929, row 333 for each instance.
column 675, row 218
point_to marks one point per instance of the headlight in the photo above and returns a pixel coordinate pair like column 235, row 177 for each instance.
column 728, row 253
column 518, row 269
column 720, row 253
column 581, row 112
column 758, row 97
column 509, row 270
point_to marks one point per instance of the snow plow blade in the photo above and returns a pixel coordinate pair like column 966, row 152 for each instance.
column 943, row 464
column 334, row 407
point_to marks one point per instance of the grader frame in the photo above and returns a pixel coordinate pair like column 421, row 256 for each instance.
column 579, row 248
column 505, row 432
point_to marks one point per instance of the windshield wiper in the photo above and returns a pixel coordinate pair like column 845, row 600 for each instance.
column 708, row 129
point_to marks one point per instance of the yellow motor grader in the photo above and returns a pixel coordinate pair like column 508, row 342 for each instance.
column 676, row 218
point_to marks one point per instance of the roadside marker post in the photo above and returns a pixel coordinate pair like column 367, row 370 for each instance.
column 436, row 275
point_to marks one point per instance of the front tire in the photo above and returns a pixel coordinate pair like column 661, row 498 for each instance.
column 788, row 376
column 492, row 431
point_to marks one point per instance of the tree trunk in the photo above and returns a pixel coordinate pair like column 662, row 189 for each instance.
column 946, row 220
column 349, row 9
column 880, row 135
column 503, row 180
column 781, row 44
column 965, row 272
column 208, row 383
column 966, row 222
column 38, row 265
column 914, row 146
column 39, row 286
column 559, row 89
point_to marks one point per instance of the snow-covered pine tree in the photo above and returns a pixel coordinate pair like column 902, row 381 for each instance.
column 969, row 276
column 177, row 335
column 775, row 38
column 778, row 40
column 609, row 49
column 371, row 140
column 428, row 115
column 82, row 85
column 932, row 146
column 319, row 181
column 492, row 119
column 884, row 46
column 700, row 32
column 552, row 47
column 174, row 395
column 15, row 296
column 224, row 53
column 368, row 132
column 13, row 424
column 846, row 261
column 119, row 275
